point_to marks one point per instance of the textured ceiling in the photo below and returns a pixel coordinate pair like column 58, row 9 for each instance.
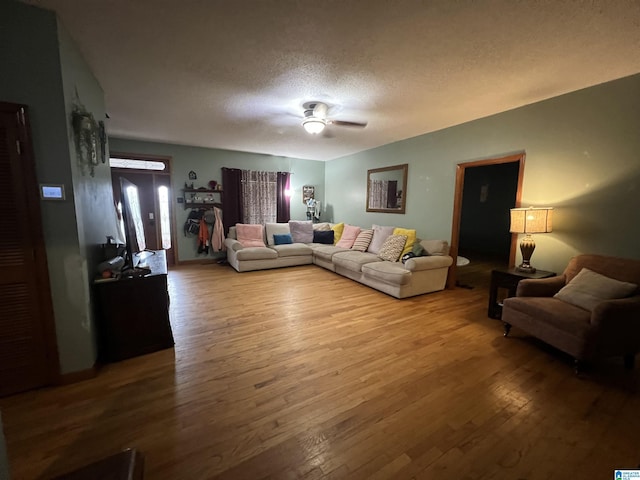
column 234, row 74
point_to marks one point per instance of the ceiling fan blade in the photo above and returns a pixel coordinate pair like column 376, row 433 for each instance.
column 343, row 123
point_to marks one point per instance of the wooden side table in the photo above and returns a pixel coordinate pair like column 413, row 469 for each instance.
column 508, row 280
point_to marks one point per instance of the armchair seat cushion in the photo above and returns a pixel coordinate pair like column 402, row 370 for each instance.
column 540, row 312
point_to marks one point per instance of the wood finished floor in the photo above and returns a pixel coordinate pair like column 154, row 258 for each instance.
column 300, row 373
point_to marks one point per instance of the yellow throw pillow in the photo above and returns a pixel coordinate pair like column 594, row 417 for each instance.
column 338, row 228
column 411, row 238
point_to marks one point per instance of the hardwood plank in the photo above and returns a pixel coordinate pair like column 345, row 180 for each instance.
column 300, row 373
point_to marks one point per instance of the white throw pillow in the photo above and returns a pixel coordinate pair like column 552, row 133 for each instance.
column 588, row 288
column 380, row 234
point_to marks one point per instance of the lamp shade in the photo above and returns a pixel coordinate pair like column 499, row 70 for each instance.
column 531, row 220
column 313, row 125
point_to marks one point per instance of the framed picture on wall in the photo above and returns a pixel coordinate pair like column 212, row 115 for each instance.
column 308, row 191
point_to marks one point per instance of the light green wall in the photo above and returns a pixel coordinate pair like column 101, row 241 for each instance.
column 207, row 164
column 582, row 157
column 45, row 71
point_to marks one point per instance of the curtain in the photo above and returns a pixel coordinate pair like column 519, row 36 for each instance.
column 283, row 202
column 259, row 196
column 232, row 201
column 378, row 193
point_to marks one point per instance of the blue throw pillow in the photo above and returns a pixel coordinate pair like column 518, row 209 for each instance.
column 282, row 239
column 323, row 236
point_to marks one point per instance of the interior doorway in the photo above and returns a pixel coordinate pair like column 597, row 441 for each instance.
column 154, row 193
column 485, row 191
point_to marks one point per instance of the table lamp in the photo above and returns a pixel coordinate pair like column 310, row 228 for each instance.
column 529, row 220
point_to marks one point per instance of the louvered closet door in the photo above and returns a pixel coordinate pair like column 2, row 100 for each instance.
column 24, row 316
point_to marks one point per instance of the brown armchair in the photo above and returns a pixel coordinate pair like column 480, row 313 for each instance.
column 610, row 328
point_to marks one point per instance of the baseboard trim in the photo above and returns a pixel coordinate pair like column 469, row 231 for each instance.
column 79, row 376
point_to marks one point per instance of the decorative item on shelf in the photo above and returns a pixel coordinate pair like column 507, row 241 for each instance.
column 213, row 184
column 530, row 220
column 192, row 176
column 187, row 186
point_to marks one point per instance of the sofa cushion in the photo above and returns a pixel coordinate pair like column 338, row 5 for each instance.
column 321, row 236
column 292, row 249
column 392, row 248
column 435, row 247
column 588, row 288
column 349, row 235
column 301, row 231
column 275, row 228
column 388, row 272
column 250, row 235
column 362, row 240
column 338, row 228
column 282, row 238
column 411, row 238
column 380, row 234
column 322, row 226
column 257, row 253
column 326, row 252
column 354, row 260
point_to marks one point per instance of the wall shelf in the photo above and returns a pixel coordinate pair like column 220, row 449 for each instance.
column 201, row 198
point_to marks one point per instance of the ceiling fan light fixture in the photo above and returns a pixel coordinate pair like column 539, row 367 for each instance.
column 313, row 125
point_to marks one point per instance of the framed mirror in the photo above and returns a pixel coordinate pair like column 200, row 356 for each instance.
column 387, row 189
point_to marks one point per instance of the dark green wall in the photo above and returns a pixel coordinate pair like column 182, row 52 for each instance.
column 43, row 70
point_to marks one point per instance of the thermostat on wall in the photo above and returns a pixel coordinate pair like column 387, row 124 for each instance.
column 51, row 192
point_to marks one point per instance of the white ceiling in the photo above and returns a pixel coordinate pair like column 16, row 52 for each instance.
column 234, row 74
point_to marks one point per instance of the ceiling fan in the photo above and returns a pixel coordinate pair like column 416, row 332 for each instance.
column 315, row 118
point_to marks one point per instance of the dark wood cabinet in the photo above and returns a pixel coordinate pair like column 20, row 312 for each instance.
column 504, row 284
column 132, row 313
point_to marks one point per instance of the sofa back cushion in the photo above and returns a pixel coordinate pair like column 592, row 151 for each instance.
column 380, row 234
column 623, row 269
column 324, row 226
column 349, row 235
column 250, row 235
column 275, row 228
column 435, row 247
column 392, row 248
column 301, row 231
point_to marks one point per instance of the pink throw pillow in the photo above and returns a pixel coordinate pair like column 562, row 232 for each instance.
column 349, row 235
column 250, row 235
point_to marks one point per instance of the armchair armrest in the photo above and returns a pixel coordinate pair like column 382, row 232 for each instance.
column 540, row 287
column 232, row 244
column 618, row 313
column 615, row 328
column 428, row 262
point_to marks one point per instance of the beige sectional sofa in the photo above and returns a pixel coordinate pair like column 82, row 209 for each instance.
column 418, row 275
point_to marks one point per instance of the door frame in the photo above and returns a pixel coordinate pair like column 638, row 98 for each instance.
column 41, row 273
column 167, row 160
column 461, row 169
